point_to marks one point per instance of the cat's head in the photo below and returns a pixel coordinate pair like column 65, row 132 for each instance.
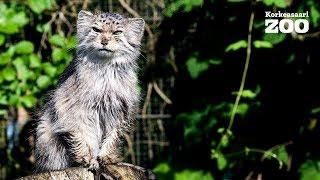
column 109, row 35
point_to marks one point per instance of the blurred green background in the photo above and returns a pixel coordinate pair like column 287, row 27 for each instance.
column 193, row 58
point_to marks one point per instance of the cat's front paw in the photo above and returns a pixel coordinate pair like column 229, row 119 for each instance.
column 93, row 165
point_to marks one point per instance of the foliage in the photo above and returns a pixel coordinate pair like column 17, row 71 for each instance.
column 163, row 171
column 186, row 5
column 206, row 115
column 310, row 170
column 25, row 73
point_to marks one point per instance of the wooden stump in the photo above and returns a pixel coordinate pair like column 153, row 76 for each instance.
column 121, row 171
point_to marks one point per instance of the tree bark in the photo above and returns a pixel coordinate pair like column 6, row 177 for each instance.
column 120, row 171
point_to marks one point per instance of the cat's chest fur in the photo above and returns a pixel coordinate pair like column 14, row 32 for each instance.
column 109, row 91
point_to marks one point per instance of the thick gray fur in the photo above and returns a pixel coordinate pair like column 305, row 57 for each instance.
column 96, row 98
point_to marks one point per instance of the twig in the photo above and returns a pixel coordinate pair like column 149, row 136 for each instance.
column 276, row 147
column 146, row 102
column 130, row 148
column 245, row 71
column 64, row 19
column 243, row 79
column 45, row 33
column 161, row 94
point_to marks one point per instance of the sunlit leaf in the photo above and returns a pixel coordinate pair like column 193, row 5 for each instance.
column 29, row 101
column 71, row 42
column 9, row 28
column 162, row 168
column 221, row 162
column 280, row 3
column 57, row 54
column 38, row 6
column 242, row 108
column 192, row 175
column 57, row 40
column 22, row 70
column 5, row 58
column 49, row 69
column 236, row 46
column 13, row 99
column 268, row 2
column 35, row 61
column 9, row 74
column 24, row 47
column 43, row 81
column 262, row 44
column 19, row 19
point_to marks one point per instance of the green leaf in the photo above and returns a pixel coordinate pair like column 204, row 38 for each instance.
column 242, row 109
column 43, row 81
column 22, row 70
column 9, row 28
column 5, row 58
column 280, row 3
column 309, row 170
column 13, row 99
column 224, row 141
column 186, row 5
column 262, row 44
column 215, row 61
column 247, row 94
column 49, row 69
column 57, row 40
column 29, row 101
column 9, row 74
column 71, row 42
column 282, row 155
column 3, row 100
column 162, row 168
column 277, row 3
column 268, row 2
column 57, row 54
column 195, row 68
column 24, row 47
column 2, row 39
column 315, row 16
column 35, row 61
column 236, row 46
column 38, row 6
column 220, row 130
column 19, row 19
column 192, row 175
column 221, row 162
column 274, row 38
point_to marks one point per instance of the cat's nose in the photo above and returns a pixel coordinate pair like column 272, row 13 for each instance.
column 104, row 42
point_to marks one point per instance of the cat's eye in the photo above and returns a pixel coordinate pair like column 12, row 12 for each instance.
column 117, row 32
column 96, row 29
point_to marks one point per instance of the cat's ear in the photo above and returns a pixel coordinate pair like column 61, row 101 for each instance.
column 84, row 17
column 135, row 29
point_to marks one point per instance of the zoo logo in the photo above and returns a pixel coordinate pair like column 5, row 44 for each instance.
column 288, row 24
